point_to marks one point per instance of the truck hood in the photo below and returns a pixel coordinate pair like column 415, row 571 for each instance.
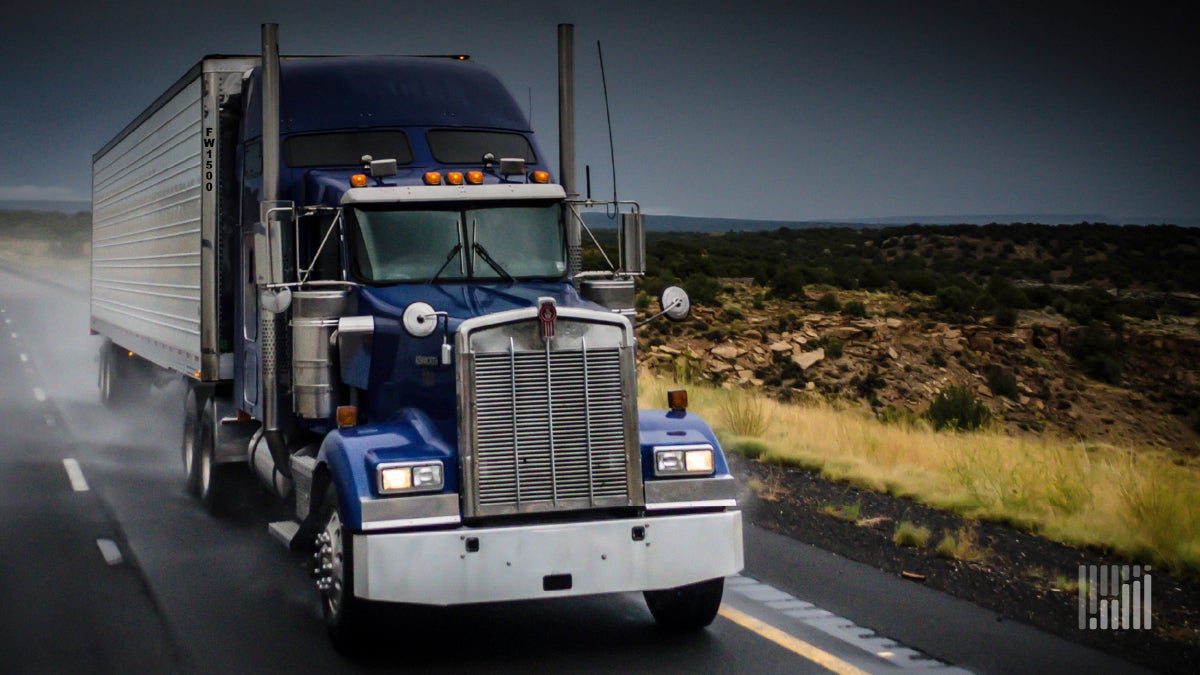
column 462, row 301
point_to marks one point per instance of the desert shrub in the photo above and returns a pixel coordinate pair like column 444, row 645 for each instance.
column 828, row 303
column 1098, row 352
column 962, row 545
column 833, row 348
column 733, row 313
column 854, row 308
column 1006, row 317
column 1001, row 381
column 908, row 534
column 703, row 289
column 744, row 414
column 956, row 407
column 953, row 299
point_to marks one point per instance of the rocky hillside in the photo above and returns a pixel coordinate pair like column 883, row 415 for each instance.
column 1137, row 387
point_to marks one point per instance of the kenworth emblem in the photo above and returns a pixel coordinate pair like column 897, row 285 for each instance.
column 547, row 314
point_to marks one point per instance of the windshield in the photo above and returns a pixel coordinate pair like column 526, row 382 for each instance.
column 449, row 242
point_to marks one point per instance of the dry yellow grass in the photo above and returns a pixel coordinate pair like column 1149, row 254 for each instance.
column 1139, row 502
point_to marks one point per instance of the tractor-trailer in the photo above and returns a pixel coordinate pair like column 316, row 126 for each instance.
column 369, row 280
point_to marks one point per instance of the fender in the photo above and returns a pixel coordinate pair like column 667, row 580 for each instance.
column 351, row 456
column 658, row 428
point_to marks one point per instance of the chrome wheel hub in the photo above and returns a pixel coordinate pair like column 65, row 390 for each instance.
column 329, row 570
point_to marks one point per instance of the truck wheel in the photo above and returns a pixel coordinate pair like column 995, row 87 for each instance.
column 688, row 607
column 191, row 428
column 215, row 483
column 335, row 577
column 109, row 376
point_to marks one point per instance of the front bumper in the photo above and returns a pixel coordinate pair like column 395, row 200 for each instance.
column 495, row 564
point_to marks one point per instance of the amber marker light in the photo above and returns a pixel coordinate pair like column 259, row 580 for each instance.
column 358, row 180
column 677, row 399
column 347, row 416
column 433, row 178
column 454, row 178
column 475, row 177
column 540, row 176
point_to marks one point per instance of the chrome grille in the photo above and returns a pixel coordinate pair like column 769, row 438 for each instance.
column 550, row 429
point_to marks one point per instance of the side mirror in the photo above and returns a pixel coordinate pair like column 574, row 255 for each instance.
column 676, row 304
column 633, row 243
column 268, row 253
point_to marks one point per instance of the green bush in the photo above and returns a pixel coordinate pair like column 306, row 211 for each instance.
column 955, row 407
column 1002, row 381
column 1006, row 317
column 828, row 303
column 1098, row 352
column 854, row 308
column 833, row 348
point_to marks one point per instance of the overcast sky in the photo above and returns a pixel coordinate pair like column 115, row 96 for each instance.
column 768, row 110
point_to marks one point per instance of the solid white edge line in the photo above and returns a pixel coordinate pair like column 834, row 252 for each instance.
column 75, row 475
column 110, row 551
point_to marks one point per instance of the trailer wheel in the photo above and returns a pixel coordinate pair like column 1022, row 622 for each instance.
column 688, row 607
column 109, row 375
column 215, row 482
column 335, row 577
column 191, row 429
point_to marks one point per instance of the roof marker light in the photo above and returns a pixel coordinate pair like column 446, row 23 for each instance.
column 358, row 180
column 475, row 177
column 433, row 178
column 454, row 178
column 540, row 176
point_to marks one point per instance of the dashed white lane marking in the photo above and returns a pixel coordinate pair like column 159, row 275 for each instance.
column 110, row 551
column 829, row 623
column 24, row 357
column 39, row 394
column 7, row 320
column 15, row 336
column 75, row 475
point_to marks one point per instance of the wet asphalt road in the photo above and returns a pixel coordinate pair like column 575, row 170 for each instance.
column 106, row 565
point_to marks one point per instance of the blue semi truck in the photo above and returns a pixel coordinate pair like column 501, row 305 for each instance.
column 370, row 282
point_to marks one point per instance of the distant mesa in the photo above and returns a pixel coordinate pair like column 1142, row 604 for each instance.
column 63, row 206
column 670, row 223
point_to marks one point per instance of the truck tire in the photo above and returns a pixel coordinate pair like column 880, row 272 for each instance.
column 334, row 559
column 110, row 376
column 690, row 607
column 216, row 484
column 190, row 443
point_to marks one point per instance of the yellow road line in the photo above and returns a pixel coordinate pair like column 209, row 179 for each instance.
column 790, row 643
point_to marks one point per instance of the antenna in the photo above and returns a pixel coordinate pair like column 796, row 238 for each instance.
column 612, row 157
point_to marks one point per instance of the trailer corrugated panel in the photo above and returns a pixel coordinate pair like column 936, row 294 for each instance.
column 155, row 235
column 146, row 211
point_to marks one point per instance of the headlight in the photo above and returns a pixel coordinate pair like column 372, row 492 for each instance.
column 410, row 477
column 684, row 460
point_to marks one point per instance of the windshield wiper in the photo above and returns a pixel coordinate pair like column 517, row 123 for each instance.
column 449, row 256
column 491, row 261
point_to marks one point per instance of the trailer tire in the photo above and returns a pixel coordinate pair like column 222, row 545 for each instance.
column 690, row 607
column 192, row 405
column 335, row 578
column 110, row 376
column 216, row 483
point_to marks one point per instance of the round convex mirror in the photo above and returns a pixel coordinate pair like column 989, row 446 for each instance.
column 675, row 303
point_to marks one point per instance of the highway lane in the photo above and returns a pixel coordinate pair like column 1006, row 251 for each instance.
column 194, row 593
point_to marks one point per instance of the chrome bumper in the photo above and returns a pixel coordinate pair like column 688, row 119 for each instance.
column 471, row 565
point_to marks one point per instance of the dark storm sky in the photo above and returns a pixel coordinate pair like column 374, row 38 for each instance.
column 793, row 111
